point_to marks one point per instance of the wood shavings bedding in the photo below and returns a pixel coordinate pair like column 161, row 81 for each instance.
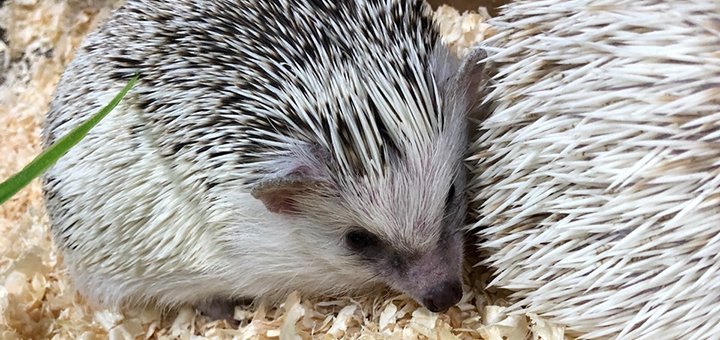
column 37, row 299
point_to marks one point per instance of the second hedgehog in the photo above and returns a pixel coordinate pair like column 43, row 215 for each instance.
column 268, row 147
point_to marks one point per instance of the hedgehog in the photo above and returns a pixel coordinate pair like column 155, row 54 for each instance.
column 268, row 147
column 594, row 187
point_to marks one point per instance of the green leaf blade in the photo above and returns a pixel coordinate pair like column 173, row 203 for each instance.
column 53, row 153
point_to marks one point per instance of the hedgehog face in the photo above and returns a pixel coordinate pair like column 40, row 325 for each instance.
column 403, row 230
column 408, row 231
column 407, row 226
column 395, row 219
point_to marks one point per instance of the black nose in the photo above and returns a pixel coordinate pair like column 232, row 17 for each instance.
column 443, row 296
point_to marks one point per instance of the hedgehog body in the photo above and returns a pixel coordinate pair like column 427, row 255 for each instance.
column 595, row 177
column 268, row 147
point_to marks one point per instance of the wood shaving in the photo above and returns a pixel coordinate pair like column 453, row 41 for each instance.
column 461, row 31
column 37, row 299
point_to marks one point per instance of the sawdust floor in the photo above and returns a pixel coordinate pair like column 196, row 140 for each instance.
column 37, row 299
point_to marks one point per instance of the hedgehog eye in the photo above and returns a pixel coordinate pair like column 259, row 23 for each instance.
column 360, row 240
column 450, row 196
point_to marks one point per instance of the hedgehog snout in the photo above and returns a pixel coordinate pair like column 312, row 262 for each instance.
column 434, row 279
column 443, row 296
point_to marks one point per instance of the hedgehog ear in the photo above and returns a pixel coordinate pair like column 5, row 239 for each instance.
column 280, row 195
column 460, row 82
column 470, row 77
column 301, row 175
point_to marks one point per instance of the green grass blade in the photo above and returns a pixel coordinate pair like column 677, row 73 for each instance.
column 48, row 157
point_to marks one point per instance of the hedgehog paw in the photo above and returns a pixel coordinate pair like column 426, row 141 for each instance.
column 221, row 309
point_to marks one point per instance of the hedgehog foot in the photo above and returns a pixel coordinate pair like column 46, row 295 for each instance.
column 222, row 309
